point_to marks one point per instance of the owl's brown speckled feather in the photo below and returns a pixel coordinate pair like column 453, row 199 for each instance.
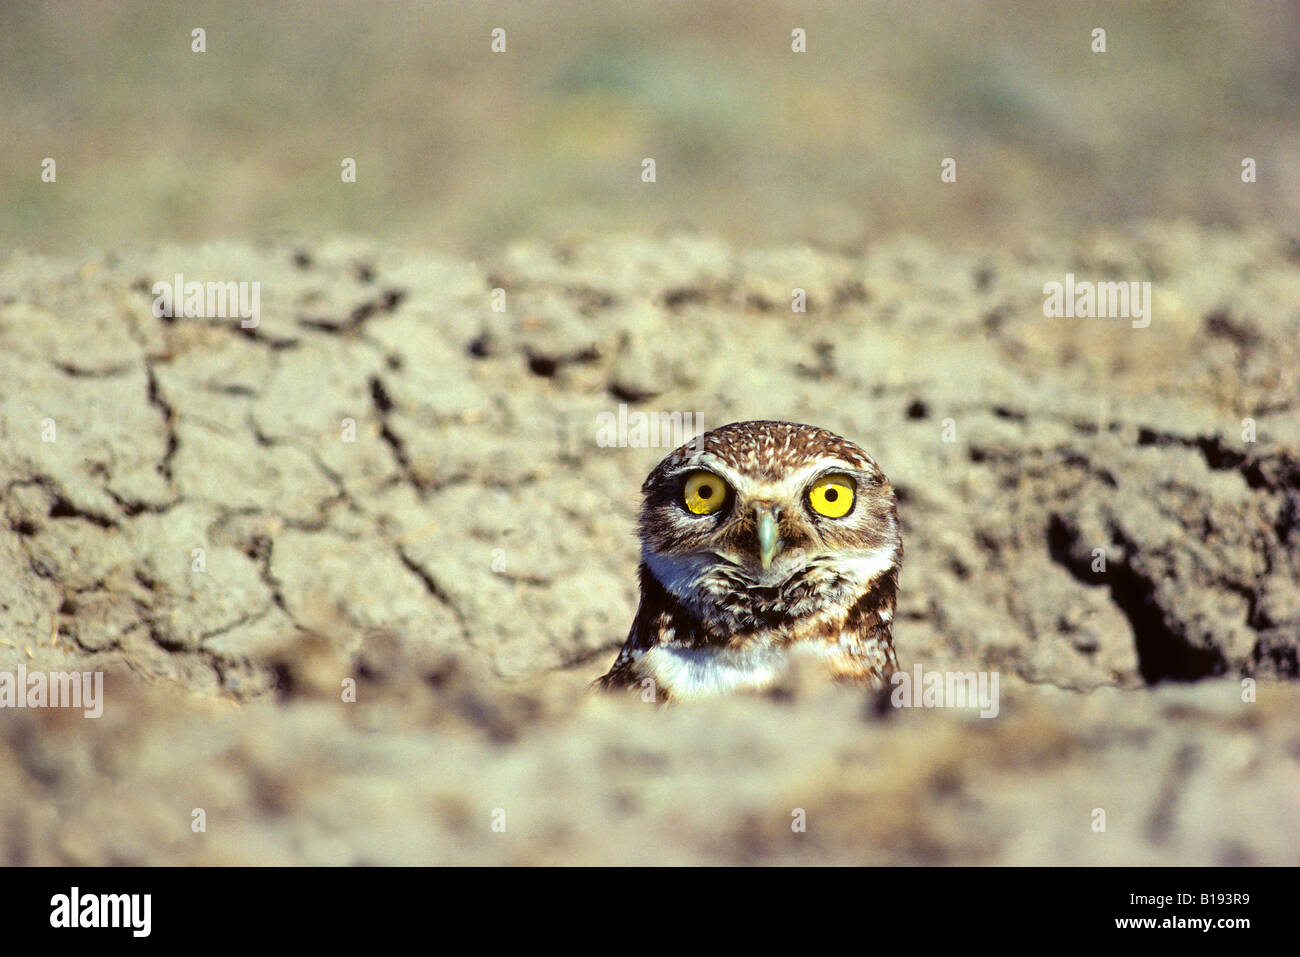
column 769, row 570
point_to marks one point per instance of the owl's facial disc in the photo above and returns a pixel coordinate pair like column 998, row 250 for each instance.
column 765, row 517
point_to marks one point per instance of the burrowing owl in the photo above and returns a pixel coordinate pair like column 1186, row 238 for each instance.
column 763, row 542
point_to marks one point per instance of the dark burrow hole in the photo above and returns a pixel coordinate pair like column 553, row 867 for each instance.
column 1163, row 650
column 1163, row 653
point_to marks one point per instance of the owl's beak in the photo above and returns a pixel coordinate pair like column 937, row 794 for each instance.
column 769, row 541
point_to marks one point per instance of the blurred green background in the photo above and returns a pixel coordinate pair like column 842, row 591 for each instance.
column 461, row 149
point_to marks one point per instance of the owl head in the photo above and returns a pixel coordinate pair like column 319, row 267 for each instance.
column 757, row 523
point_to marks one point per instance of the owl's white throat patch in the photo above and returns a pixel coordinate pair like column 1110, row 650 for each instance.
column 702, row 672
column 695, row 672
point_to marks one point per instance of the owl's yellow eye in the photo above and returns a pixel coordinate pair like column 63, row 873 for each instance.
column 832, row 496
column 704, row 493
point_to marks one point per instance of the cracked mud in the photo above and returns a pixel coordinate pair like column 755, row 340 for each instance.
column 386, row 480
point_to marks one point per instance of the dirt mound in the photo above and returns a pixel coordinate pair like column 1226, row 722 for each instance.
column 387, row 480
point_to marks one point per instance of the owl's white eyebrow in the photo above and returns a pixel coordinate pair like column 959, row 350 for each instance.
column 823, row 468
column 843, row 468
column 738, row 481
column 706, row 462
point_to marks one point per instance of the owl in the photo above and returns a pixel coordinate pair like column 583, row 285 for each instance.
column 763, row 544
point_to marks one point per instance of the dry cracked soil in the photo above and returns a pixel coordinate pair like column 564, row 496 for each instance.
column 387, row 483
